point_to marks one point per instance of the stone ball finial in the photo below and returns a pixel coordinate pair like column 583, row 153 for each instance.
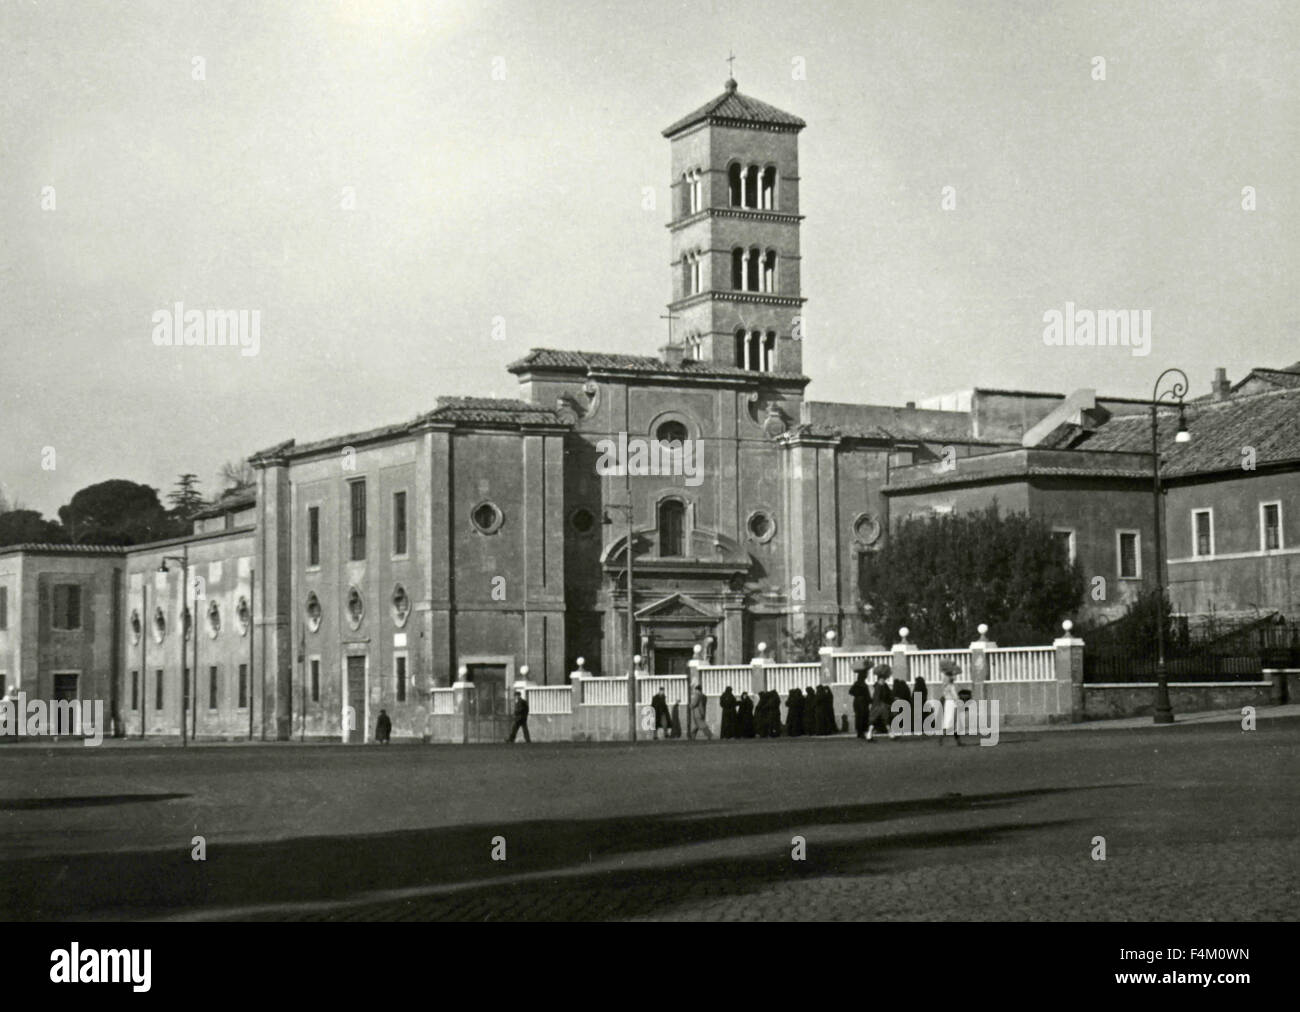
column 983, row 629
column 902, row 632
column 523, row 671
column 762, row 648
column 636, row 658
column 462, row 671
column 582, row 661
column 1067, row 625
column 731, row 85
column 830, row 635
column 698, row 650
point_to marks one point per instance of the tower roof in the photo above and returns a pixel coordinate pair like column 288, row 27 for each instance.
column 733, row 108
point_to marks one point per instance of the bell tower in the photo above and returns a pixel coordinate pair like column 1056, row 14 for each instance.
column 735, row 234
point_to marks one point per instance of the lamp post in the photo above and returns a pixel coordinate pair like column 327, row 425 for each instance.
column 188, row 691
column 1173, row 395
column 626, row 509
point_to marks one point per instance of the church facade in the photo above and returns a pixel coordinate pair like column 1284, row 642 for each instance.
column 487, row 535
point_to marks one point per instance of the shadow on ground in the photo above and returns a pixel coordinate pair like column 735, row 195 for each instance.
column 88, row 801
column 121, row 885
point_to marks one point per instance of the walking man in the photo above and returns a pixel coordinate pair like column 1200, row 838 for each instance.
column 663, row 719
column 950, row 700
column 383, row 728
column 698, row 723
column 521, row 719
column 861, row 693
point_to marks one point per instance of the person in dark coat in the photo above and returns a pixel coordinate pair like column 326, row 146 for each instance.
column 521, row 719
column 663, row 719
column 898, row 688
column 794, row 713
column 777, row 725
column 745, row 716
column 763, row 716
column 675, row 720
column 727, row 703
column 828, row 707
column 920, row 693
column 383, row 728
column 812, row 712
column 881, row 698
column 861, row 693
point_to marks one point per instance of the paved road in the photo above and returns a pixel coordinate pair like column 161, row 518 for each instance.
column 1199, row 821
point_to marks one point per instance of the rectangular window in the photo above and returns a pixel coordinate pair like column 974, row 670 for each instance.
column 135, row 690
column 67, row 606
column 399, row 662
column 4, row 607
column 158, row 688
column 399, row 523
column 313, row 535
column 1065, row 538
column 65, row 685
column 1130, row 555
column 1202, row 533
column 315, row 679
column 1270, row 523
column 212, row 687
column 358, row 493
column 243, row 686
column 185, row 690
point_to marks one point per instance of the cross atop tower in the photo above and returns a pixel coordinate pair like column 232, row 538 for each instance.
column 731, row 59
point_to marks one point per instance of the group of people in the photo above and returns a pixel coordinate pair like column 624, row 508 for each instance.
column 810, row 713
column 873, row 705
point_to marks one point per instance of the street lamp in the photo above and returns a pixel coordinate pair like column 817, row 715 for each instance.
column 1173, row 394
column 189, row 689
column 626, row 509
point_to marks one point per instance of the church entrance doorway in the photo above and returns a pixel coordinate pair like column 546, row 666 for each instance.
column 491, row 703
column 673, row 660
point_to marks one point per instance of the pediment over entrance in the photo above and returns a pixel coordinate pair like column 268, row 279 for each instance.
column 708, row 551
column 678, row 607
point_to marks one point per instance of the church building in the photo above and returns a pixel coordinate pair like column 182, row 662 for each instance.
column 697, row 488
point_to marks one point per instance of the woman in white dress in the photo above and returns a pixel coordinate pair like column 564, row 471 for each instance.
column 950, row 700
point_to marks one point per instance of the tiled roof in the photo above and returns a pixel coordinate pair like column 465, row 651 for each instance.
column 1220, row 430
column 490, row 410
column 1014, row 470
column 228, row 504
column 54, row 548
column 1288, row 378
column 582, row 361
column 733, row 107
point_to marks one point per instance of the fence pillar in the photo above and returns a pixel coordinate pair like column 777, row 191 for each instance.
column 462, row 697
column 758, row 672
column 575, row 682
column 979, row 662
column 1069, row 673
column 901, row 664
column 826, row 654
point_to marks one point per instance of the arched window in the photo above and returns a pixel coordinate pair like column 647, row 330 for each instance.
column 769, row 187
column 697, row 191
column 769, row 271
column 751, row 186
column 769, row 350
column 686, row 274
column 737, row 270
column 740, row 349
column 734, row 185
column 672, row 528
column 753, row 351
column 751, row 270
column 697, row 272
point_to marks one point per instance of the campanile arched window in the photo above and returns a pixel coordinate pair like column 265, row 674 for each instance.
column 734, row 176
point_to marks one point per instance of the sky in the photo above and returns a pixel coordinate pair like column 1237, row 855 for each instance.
column 413, row 194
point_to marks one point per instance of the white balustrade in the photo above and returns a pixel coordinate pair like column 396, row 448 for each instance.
column 1022, row 664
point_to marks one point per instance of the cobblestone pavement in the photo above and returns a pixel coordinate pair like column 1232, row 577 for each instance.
column 1198, row 822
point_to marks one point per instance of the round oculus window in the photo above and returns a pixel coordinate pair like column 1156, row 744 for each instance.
column 761, row 525
column 582, row 520
column 486, row 517
column 314, row 611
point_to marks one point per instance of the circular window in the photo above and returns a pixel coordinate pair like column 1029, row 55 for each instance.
column 356, row 607
column 582, row 520
column 214, row 619
column 159, row 625
column 486, row 517
column 401, row 605
column 136, row 626
column 672, row 431
column 761, row 525
column 866, row 529
column 313, row 611
column 242, row 615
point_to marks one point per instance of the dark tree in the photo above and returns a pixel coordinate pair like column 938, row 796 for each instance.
column 185, row 498
column 941, row 576
column 118, row 512
column 236, row 476
column 20, row 526
column 800, row 649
